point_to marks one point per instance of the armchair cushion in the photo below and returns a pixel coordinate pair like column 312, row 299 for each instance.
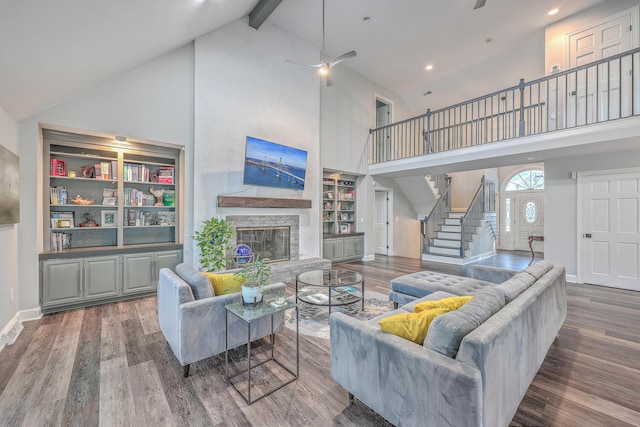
column 199, row 284
column 224, row 283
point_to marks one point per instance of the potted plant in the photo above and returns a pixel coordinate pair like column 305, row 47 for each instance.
column 213, row 242
column 256, row 276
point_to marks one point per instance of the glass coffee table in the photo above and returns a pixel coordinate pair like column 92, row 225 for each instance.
column 330, row 288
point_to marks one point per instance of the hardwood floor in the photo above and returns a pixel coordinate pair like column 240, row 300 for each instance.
column 110, row 365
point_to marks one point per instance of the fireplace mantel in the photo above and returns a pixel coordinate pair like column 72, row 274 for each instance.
column 262, row 202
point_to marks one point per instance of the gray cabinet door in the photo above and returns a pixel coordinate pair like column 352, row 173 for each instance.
column 138, row 273
column 168, row 259
column 61, row 281
column 101, row 277
column 349, row 247
column 333, row 249
column 355, row 245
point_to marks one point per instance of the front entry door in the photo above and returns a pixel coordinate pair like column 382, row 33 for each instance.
column 529, row 219
column 609, row 238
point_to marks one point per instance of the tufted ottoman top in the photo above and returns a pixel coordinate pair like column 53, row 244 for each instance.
column 426, row 282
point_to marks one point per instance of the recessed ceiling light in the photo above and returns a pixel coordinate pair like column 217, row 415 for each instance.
column 366, row 19
column 429, row 67
column 553, row 12
column 488, row 40
column 427, row 93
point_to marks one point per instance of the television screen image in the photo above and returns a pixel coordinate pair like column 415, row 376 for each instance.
column 274, row 165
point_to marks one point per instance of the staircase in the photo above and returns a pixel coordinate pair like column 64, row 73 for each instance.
column 461, row 237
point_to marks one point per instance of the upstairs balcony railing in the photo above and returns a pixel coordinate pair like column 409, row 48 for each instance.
column 596, row 92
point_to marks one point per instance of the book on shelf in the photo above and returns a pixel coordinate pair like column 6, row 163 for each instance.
column 166, row 174
column 62, row 219
column 60, row 241
column 58, row 195
column 97, row 171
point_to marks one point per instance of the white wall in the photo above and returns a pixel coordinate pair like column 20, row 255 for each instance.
column 406, row 226
column 244, row 86
column 9, row 235
column 152, row 101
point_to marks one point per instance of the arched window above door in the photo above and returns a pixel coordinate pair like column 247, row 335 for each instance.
column 532, row 179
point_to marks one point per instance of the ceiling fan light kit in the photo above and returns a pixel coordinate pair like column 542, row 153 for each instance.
column 324, row 67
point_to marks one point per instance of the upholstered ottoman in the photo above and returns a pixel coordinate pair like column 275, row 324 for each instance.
column 408, row 288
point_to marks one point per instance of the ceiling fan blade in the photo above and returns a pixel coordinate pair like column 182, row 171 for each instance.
column 303, row 64
column 479, row 4
column 342, row 57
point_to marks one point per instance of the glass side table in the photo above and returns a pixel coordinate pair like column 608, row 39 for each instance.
column 248, row 314
column 330, row 288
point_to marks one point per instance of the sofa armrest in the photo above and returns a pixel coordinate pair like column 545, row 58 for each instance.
column 492, row 274
column 398, row 378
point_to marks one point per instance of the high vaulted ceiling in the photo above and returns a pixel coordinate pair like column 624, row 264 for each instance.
column 53, row 50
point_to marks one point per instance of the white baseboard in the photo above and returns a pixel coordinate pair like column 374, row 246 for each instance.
column 572, row 278
column 368, row 258
column 14, row 327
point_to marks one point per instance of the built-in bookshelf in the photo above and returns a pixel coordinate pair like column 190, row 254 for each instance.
column 338, row 204
column 105, row 194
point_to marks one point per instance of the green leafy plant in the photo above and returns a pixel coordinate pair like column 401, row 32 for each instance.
column 256, row 274
column 213, row 242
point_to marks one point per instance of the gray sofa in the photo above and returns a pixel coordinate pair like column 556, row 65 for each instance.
column 476, row 363
column 192, row 318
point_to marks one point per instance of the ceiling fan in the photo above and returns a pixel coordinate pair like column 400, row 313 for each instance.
column 479, row 4
column 324, row 67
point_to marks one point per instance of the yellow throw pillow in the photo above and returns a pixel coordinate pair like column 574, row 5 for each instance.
column 451, row 303
column 411, row 326
column 224, row 283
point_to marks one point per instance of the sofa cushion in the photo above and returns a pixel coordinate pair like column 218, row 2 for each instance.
column 224, row 283
column 515, row 286
column 411, row 326
column 447, row 330
column 425, row 282
column 538, row 269
column 199, row 284
column 451, row 303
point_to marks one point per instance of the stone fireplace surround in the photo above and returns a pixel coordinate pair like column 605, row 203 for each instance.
column 285, row 270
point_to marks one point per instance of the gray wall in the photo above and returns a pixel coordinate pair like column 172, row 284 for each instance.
column 152, row 101
column 9, row 235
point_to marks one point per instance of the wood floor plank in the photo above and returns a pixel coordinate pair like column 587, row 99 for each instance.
column 82, row 400
column 149, row 399
column 112, row 364
column 116, row 399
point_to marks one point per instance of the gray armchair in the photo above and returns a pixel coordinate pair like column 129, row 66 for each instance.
column 194, row 326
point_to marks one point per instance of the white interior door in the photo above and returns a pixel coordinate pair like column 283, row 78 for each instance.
column 529, row 219
column 382, row 223
column 600, row 41
column 610, row 229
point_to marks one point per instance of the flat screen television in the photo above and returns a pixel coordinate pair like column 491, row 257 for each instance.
column 274, row 165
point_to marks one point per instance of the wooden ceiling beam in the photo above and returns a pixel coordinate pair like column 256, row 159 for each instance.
column 262, row 11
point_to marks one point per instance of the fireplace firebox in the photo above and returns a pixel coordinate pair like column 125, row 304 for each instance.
column 266, row 242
